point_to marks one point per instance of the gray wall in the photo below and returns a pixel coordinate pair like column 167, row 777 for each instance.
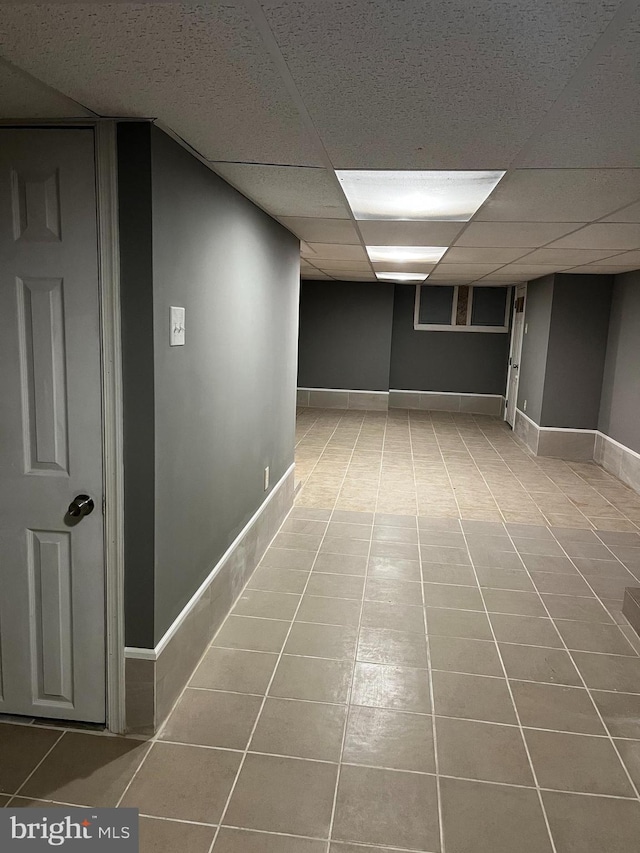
column 576, row 350
column 345, row 335
column 224, row 404
column 533, row 360
column 620, row 403
column 466, row 362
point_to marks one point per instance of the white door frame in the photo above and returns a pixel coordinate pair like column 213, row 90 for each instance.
column 523, row 288
column 112, row 419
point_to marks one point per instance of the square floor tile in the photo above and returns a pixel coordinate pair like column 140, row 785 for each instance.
column 576, row 607
column 184, row 782
column 394, row 739
column 609, row 672
column 594, row 637
column 287, row 795
column 485, row 818
column 313, row 679
column 298, row 541
column 393, row 569
column 382, row 645
column 329, row 611
column 348, row 547
column 165, row 836
column 472, row 697
column 304, row 525
column 485, row 751
column 278, row 580
column 453, row 596
column 385, row 533
column 630, row 753
column 554, row 706
column 558, row 585
column 543, row 547
column 393, row 687
column 235, row 670
column 518, row 603
column 341, row 564
column 244, row 841
column 335, row 586
column 455, row 654
column 393, row 591
column 525, row 630
column 492, row 558
column 212, row 718
column 322, row 641
column 458, row 623
column 541, row 563
column 620, row 712
column 21, row 748
column 260, row 635
column 387, row 807
column 439, row 573
column 528, row 531
column 444, row 556
column 399, row 550
column 300, row 729
column 493, row 578
column 282, row 558
column 571, row 762
column 395, row 617
column 90, row 770
column 592, row 824
column 534, row 663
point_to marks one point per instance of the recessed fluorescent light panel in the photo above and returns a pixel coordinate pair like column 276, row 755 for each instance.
column 417, row 195
column 401, row 276
column 402, row 254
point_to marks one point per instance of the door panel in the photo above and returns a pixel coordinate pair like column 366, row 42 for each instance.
column 52, row 643
column 515, row 353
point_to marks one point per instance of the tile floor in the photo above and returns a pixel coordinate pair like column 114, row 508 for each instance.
column 431, row 657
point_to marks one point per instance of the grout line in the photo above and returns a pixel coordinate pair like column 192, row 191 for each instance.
column 45, row 756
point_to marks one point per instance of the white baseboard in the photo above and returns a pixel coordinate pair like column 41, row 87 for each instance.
column 452, row 401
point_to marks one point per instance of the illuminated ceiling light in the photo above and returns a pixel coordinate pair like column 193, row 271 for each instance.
column 437, row 195
column 402, row 276
column 402, row 254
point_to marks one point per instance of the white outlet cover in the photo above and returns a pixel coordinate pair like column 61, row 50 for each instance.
column 177, row 327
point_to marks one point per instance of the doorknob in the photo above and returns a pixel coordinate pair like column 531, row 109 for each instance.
column 80, row 506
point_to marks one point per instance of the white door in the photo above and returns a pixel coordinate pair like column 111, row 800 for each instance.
column 52, row 621
column 515, row 353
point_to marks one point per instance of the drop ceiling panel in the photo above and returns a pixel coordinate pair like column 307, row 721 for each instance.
column 625, row 258
column 321, row 230
column 532, row 270
column 627, row 214
column 201, row 68
column 342, row 264
column 467, row 269
column 471, row 255
column 598, row 124
column 526, row 235
column 351, row 275
column 560, row 195
column 286, row 190
column 315, row 276
column 602, row 269
column 337, row 251
column 23, row 97
column 602, row 236
column 566, row 257
column 405, row 233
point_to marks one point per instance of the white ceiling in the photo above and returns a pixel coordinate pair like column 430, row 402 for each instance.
column 279, row 94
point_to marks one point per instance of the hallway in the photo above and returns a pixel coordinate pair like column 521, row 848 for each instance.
column 428, row 658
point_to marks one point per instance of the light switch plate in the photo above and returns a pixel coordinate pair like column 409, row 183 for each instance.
column 177, row 327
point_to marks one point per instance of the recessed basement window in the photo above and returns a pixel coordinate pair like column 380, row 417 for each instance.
column 402, row 254
column 438, row 195
column 403, row 277
column 462, row 308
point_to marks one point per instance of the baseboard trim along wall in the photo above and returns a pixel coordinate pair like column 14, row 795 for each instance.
column 580, row 445
column 154, row 678
column 339, row 398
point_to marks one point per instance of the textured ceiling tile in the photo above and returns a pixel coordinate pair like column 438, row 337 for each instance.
column 532, row 269
column 405, row 233
column 351, row 275
column 342, row 264
column 321, row 230
column 23, row 97
column 201, row 68
column 338, row 251
column 439, row 278
column 627, row 214
column 560, row 195
column 480, row 255
column 599, row 125
column 470, row 269
column 566, row 256
column 526, row 235
column 602, row 236
column 286, row 190
column 625, row 258
column 603, row 269
column 315, row 275
column 412, row 84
